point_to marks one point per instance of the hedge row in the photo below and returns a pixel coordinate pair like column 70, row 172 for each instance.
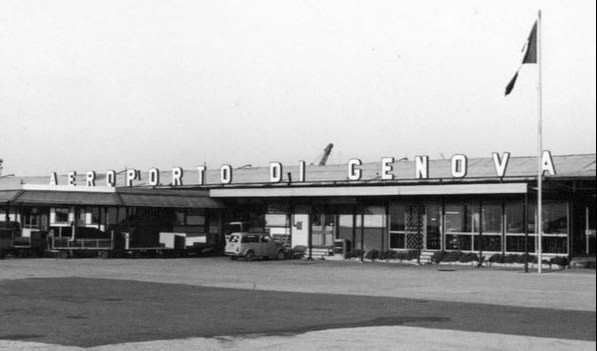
column 521, row 258
column 459, row 256
column 454, row 256
column 387, row 255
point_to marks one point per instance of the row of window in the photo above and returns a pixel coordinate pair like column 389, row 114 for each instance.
column 490, row 218
column 469, row 227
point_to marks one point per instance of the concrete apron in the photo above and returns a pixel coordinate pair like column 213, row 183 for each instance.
column 368, row 338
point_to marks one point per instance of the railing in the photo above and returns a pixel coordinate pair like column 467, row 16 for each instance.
column 82, row 244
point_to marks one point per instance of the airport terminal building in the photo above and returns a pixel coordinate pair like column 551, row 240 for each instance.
column 457, row 204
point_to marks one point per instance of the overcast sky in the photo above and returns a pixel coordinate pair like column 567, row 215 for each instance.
column 97, row 85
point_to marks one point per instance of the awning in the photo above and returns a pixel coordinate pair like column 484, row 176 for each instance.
column 31, row 197
column 171, row 201
column 8, row 195
column 394, row 190
column 124, row 197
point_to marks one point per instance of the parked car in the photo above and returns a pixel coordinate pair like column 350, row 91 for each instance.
column 253, row 245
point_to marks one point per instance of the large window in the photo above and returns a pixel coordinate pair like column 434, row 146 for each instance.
column 474, row 226
column 373, row 217
column 555, row 227
column 61, row 215
column 397, row 226
column 515, row 228
column 345, row 220
column 458, row 224
column 94, row 215
column 30, row 218
column 491, row 228
column 415, row 227
column 555, row 218
column 434, row 220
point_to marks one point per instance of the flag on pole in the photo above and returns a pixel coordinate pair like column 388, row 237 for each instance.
column 530, row 56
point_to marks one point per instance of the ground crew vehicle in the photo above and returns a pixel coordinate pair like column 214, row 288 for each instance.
column 7, row 235
column 253, row 245
column 21, row 242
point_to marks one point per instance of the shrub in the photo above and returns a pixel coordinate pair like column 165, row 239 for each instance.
column 413, row 254
column 496, row 258
column 535, row 259
column 401, row 255
column 511, row 258
column 354, row 254
column 468, row 257
column 452, row 256
column 560, row 260
column 372, row 254
column 295, row 253
column 526, row 258
column 395, row 255
column 438, row 256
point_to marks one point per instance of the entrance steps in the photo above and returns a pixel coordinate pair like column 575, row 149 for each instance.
column 583, row 262
column 425, row 257
column 318, row 253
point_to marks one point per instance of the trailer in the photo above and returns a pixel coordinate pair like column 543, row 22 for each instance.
column 19, row 242
column 123, row 244
column 170, row 244
column 66, row 247
column 31, row 243
column 187, row 244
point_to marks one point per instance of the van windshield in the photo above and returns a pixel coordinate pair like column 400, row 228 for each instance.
column 234, row 238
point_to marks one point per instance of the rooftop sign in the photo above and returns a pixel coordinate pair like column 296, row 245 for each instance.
column 458, row 169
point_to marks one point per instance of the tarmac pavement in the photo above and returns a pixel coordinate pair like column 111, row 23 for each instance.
column 572, row 290
column 368, row 338
column 565, row 290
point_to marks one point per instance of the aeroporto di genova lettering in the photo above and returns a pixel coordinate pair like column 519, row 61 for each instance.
column 459, row 168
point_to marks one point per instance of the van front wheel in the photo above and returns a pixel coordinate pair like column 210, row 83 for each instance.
column 249, row 256
column 281, row 255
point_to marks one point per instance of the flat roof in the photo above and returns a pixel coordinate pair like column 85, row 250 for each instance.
column 448, row 189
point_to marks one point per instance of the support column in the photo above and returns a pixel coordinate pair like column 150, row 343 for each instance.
column 480, row 234
column 525, row 219
column 310, row 232
column 362, row 233
column 443, row 225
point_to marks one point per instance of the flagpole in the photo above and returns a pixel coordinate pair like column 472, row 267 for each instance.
column 539, row 152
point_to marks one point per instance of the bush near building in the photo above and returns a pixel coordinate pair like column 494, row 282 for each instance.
column 354, row 254
column 526, row 258
column 406, row 255
column 372, row 254
column 454, row 256
column 401, row 255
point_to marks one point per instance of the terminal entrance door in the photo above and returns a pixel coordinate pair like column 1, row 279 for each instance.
column 300, row 230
